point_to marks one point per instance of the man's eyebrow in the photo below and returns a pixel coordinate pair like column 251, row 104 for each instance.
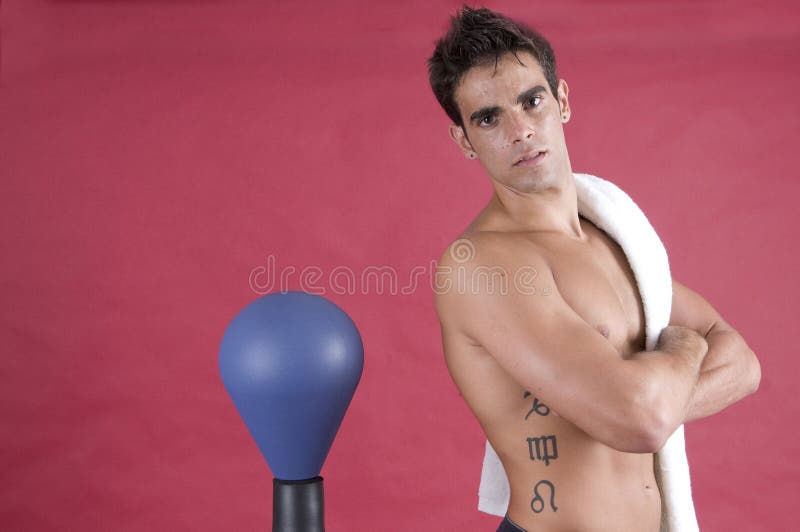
column 522, row 98
column 483, row 112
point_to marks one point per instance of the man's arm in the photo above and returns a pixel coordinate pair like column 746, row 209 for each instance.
column 730, row 370
column 632, row 405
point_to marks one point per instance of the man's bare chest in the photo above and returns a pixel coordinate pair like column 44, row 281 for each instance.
column 596, row 280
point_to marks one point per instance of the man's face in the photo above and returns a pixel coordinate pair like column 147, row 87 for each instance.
column 514, row 123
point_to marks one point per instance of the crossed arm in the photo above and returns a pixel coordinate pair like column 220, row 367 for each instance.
column 631, row 404
column 730, row 369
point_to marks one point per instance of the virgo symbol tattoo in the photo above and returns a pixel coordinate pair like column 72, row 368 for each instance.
column 537, row 503
column 543, row 448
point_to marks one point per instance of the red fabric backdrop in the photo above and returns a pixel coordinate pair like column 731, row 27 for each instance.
column 155, row 154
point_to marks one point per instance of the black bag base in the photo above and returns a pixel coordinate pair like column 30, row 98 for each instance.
column 297, row 505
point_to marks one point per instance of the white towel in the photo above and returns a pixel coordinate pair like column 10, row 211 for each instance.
column 613, row 211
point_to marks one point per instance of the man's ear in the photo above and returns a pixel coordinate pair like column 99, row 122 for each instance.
column 563, row 101
column 460, row 138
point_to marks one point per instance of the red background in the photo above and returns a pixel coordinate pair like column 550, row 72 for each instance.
column 153, row 154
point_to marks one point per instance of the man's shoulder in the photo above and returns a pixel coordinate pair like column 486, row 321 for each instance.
column 474, row 248
column 488, row 268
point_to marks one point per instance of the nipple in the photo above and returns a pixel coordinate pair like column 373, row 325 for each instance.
column 603, row 330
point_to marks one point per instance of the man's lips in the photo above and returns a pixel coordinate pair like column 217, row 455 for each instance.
column 531, row 158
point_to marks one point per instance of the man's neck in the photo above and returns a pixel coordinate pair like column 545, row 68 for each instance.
column 552, row 209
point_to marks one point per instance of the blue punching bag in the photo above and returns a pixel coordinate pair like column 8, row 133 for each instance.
column 291, row 362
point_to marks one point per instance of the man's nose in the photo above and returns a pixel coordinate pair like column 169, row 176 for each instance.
column 520, row 129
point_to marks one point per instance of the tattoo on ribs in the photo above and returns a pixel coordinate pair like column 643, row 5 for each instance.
column 537, row 503
column 539, row 408
column 543, row 448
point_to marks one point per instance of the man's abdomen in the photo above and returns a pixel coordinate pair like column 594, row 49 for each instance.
column 561, row 479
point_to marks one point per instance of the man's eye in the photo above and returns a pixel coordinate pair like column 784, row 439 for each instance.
column 487, row 120
column 534, row 101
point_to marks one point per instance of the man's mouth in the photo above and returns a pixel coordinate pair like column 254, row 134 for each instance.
column 531, row 158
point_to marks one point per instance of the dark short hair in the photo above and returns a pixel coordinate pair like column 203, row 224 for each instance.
column 478, row 37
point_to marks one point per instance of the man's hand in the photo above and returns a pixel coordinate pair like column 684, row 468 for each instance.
column 682, row 341
column 680, row 350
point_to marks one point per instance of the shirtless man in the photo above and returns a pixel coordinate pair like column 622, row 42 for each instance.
column 571, row 358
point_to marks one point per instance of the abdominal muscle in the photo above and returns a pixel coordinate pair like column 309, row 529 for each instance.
column 560, row 478
column 563, row 480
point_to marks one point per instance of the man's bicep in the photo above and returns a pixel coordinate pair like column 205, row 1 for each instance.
column 543, row 342
column 539, row 340
column 690, row 309
column 730, row 369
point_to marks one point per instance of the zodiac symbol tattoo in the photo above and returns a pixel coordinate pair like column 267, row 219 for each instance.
column 537, row 503
column 540, row 408
column 543, row 448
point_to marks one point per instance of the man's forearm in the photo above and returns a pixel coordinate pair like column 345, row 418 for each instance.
column 729, row 372
column 672, row 376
